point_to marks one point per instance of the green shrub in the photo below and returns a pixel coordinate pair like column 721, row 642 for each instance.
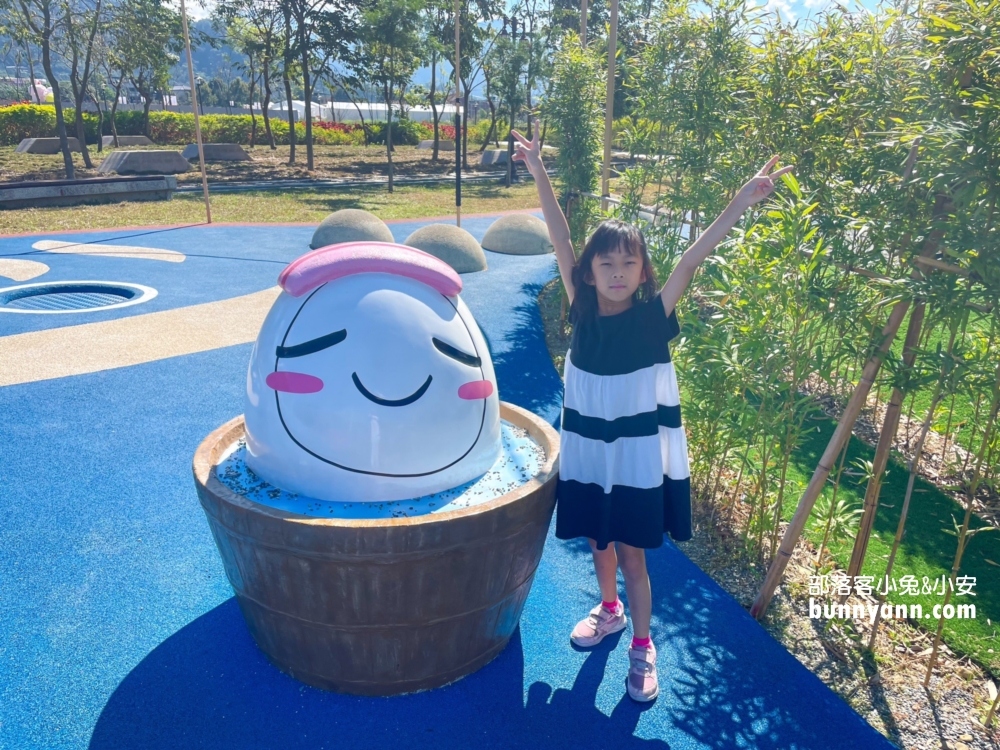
column 227, row 128
column 127, row 121
column 574, row 104
column 89, row 124
column 405, row 132
column 20, row 121
column 479, row 131
column 171, row 127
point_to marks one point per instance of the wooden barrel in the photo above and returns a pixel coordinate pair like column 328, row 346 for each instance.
column 381, row 606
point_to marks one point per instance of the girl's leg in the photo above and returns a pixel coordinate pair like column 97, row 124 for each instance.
column 606, row 566
column 640, row 600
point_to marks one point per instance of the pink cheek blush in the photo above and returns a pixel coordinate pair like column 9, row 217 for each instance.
column 476, row 389
column 293, row 382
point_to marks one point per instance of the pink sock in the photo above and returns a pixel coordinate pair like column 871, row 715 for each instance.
column 641, row 642
column 611, row 607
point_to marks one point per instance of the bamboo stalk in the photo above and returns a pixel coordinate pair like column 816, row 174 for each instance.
column 843, row 432
column 993, row 710
column 940, row 265
column 882, row 452
column 904, row 512
column 970, row 494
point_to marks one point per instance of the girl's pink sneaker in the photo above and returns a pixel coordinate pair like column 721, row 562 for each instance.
column 591, row 630
column 643, row 685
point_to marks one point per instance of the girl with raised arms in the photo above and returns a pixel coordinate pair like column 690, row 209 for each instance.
column 623, row 464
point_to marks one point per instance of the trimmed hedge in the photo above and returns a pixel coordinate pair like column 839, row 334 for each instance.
column 20, row 121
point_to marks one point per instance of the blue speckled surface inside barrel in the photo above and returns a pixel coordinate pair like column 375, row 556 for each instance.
column 520, row 459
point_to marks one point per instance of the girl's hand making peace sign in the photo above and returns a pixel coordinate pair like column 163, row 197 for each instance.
column 528, row 151
column 760, row 185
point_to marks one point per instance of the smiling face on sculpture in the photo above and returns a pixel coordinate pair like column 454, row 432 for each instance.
column 370, row 380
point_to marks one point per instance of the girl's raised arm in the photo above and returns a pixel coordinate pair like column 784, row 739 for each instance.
column 755, row 190
column 555, row 220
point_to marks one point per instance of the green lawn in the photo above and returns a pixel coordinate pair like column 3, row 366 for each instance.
column 926, row 550
column 965, row 409
column 406, row 202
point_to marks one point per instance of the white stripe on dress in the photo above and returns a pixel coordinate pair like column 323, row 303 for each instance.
column 628, row 460
column 613, row 396
column 632, row 461
column 674, row 452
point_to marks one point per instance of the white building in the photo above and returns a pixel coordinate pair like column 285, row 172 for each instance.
column 341, row 111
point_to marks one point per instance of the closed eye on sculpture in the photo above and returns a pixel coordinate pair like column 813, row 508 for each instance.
column 456, row 354
column 311, row 347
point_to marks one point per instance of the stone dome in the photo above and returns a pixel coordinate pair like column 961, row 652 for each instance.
column 454, row 245
column 350, row 225
column 518, row 234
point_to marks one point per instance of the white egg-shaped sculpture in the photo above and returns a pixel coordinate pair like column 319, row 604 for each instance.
column 370, row 379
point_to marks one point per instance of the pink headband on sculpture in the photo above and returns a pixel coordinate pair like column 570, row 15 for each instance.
column 336, row 261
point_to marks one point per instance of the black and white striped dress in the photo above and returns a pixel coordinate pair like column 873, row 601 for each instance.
column 623, row 460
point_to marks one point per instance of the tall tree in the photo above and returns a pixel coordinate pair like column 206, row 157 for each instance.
column 80, row 20
column 255, row 28
column 478, row 33
column 147, row 43
column 42, row 19
column 387, row 54
column 319, row 32
column 434, row 49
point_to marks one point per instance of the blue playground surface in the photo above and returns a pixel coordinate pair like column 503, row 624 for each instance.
column 118, row 628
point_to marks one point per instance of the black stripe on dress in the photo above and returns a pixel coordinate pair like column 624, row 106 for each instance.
column 642, row 424
column 632, row 515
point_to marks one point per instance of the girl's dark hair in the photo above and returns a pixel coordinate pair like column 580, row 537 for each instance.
column 606, row 238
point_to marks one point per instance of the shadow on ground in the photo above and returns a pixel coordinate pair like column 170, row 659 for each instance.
column 724, row 684
column 209, row 686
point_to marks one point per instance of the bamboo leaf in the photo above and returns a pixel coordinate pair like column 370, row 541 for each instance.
column 938, row 21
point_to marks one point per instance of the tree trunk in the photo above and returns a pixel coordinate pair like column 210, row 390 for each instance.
column 388, row 132
column 434, row 112
column 465, row 129
column 79, row 85
column 265, row 110
column 253, row 119
column 493, row 119
column 291, row 119
column 146, row 101
column 288, row 56
column 32, row 94
column 57, row 100
column 100, row 125
column 307, row 91
column 114, row 111
column 364, row 127
column 81, row 134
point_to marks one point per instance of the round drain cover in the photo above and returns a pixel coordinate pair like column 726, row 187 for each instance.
column 72, row 296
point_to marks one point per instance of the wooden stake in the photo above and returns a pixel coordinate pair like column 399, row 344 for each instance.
column 970, row 493
column 609, row 107
column 889, row 426
column 194, row 108
column 843, row 431
column 901, row 525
